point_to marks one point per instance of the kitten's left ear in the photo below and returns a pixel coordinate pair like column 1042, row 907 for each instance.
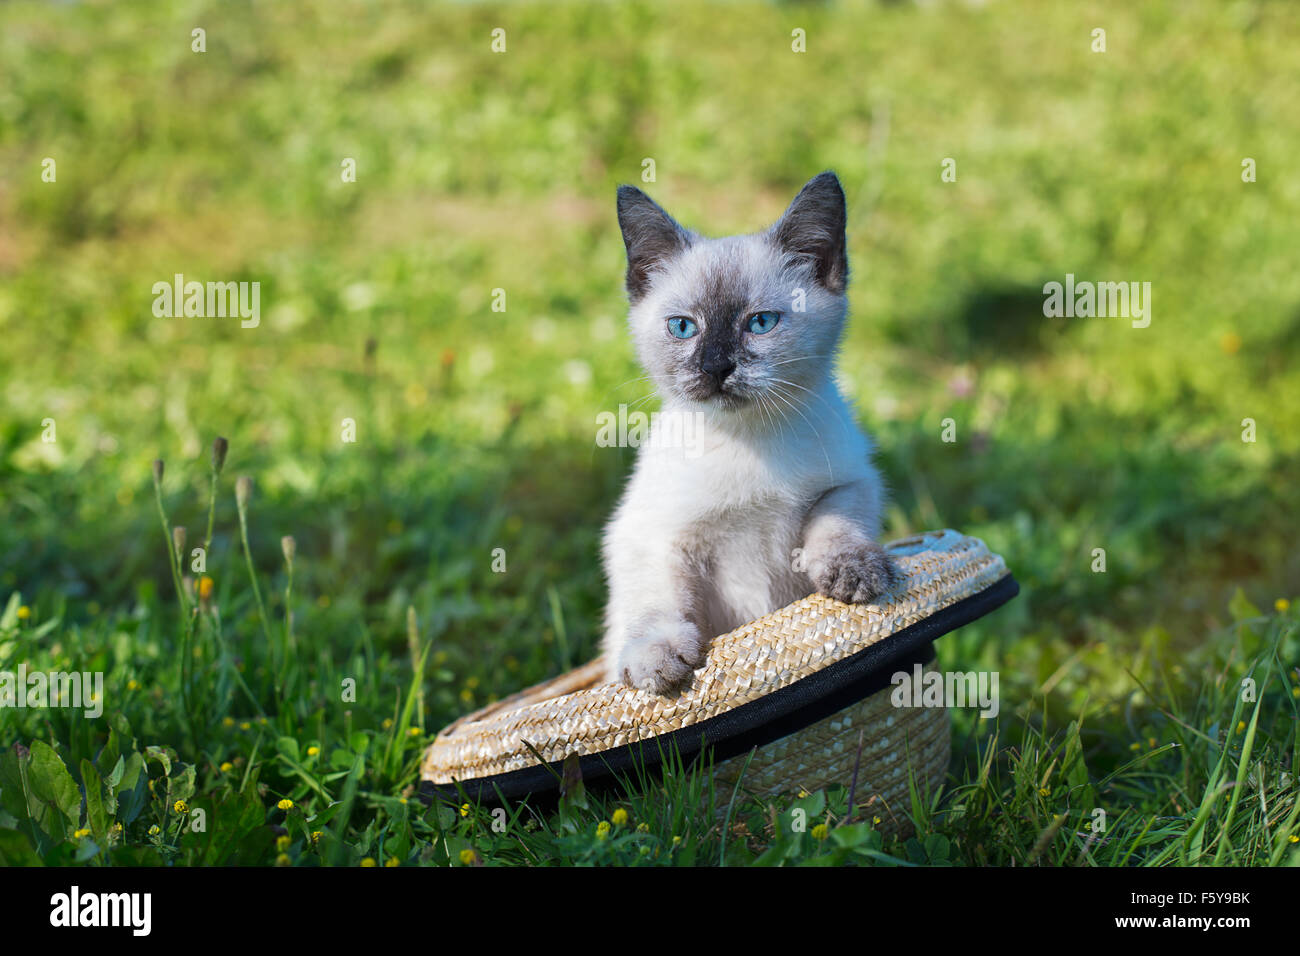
column 813, row 227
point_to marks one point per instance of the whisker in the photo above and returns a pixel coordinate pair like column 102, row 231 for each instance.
column 773, row 416
column 779, row 393
column 630, row 381
column 630, row 407
column 816, row 395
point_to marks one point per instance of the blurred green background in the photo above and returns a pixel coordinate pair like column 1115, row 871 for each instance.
column 476, row 429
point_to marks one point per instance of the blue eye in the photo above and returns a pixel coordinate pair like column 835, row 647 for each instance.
column 761, row 322
column 681, row 327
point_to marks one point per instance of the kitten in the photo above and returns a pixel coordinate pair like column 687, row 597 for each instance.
column 777, row 495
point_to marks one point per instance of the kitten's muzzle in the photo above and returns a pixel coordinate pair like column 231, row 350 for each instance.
column 717, row 370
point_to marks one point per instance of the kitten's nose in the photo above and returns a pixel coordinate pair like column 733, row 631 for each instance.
column 717, row 369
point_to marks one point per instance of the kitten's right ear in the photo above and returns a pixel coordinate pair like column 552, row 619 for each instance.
column 650, row 235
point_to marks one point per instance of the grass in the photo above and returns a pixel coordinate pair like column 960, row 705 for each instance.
column 318, row 683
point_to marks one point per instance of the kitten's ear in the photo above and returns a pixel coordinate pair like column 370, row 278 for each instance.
column 813, row 228
column 650, row 235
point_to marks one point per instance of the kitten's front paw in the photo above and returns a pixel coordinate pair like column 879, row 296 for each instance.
column 856, row 575
column 663, row 656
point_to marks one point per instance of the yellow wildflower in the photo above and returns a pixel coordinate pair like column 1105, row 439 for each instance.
column 285, row 804
column 619, row 817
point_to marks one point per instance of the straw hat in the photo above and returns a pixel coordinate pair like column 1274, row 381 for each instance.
column 805, row 688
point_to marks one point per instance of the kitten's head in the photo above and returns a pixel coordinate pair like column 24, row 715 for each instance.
column 742, row 322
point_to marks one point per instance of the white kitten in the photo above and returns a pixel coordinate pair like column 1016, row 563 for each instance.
column 775, row 494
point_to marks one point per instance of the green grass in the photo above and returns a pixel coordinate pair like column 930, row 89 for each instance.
column 1120, row 690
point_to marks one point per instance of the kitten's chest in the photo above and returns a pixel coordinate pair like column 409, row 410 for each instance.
column 748, row 560
column 747, row 524
column 721, row 476
column 730, row 507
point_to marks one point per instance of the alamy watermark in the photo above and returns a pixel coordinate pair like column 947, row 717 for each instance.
column 130, row 910
column 922, row 688
column 211, row 300
column 1128, row 300
column 75, row 689
column 634, row 429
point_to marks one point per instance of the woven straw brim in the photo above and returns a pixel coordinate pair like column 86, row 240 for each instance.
column 773, row 658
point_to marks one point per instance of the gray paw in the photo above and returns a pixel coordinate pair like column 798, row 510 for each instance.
column 856, row 575
column 663, row 656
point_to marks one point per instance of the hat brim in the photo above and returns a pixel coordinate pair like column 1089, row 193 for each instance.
column 732, row 731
